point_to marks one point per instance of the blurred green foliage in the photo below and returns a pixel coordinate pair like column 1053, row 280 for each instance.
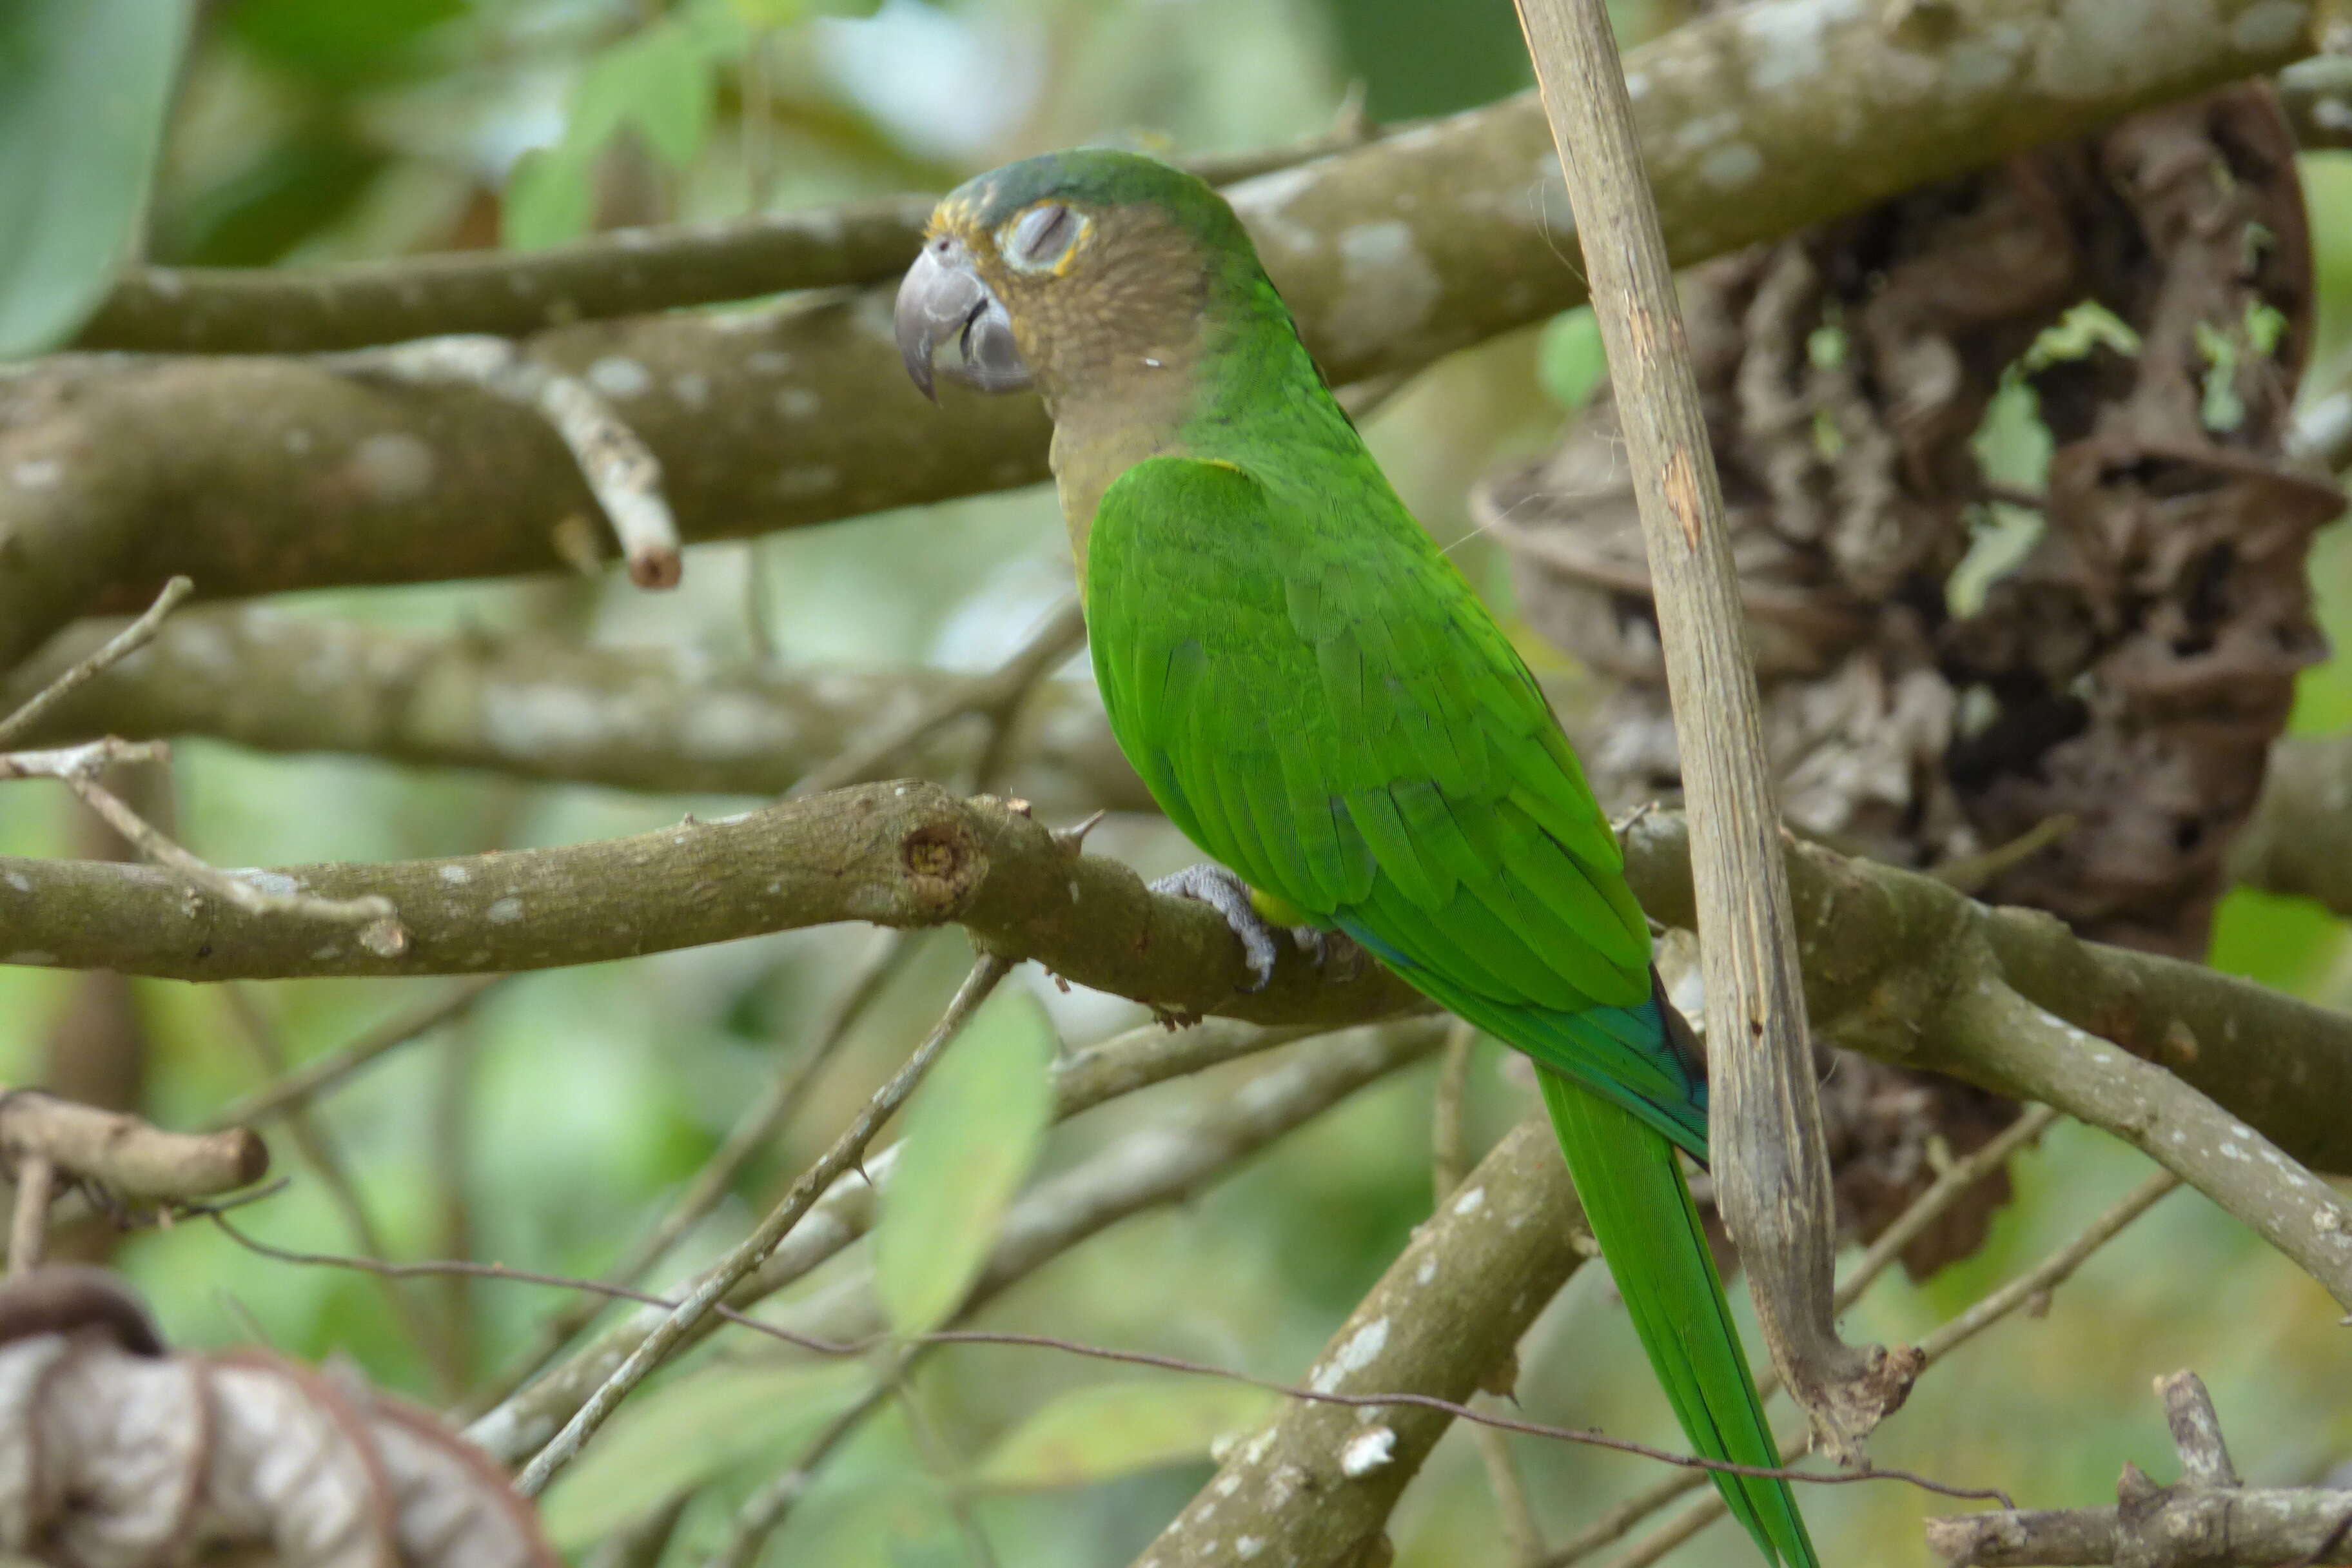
column 972, row 1131
column 85, row 86
column 313, row 129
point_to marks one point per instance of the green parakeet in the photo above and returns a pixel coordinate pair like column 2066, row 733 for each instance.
column 1315, row 695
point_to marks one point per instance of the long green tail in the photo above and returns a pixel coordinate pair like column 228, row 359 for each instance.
column 1642, row 1214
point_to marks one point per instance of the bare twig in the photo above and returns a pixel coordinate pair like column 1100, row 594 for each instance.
column 765, row 1511
column 2196, row 1430
column 2036, row 1283
column 1930, row 1206
column 2206, row 1518
column 1313, row 1393
column 321, row 1074
column 2032, row 1286
column 722, row 1277
column 319, row 1151
column 621, row 470
column 711, row 1184
column 79, row 768
column 125, row 643
column 995, row 699
column 130, row 1159
column 1060, row 1213
column 28, row 1227
column 1771, row 1160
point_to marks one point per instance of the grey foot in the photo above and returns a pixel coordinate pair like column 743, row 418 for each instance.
column 1211, row 884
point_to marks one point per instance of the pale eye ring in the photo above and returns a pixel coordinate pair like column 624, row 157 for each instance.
column 1041, row 238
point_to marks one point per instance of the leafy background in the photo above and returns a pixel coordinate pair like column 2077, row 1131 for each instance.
column 571, row 1104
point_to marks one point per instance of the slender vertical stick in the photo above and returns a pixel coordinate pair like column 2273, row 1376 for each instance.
column 714, row 1282
column 28, row 1229
column 1770, row 1159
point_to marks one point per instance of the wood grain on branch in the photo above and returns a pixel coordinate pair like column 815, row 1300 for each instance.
column 279, row 474
column 1771, row 1154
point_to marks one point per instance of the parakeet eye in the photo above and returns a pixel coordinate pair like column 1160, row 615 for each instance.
column 1041, row 238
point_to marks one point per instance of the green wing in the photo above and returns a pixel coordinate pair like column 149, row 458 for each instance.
column 1319, row 700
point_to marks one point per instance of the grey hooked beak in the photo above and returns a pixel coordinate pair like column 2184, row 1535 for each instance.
column 943, row 300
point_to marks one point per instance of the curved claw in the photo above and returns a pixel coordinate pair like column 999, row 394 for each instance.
column 1211, row 884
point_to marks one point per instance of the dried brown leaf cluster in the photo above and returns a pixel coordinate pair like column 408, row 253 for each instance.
column 115, row 1454
column 2110, row 698
column 2129, row 673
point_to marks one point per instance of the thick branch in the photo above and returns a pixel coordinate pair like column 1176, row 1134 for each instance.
column 279, row 474
column 1883, row 951
column 2300, row 838
column 1316, row 1485
column 902, row 855
column 1879, row 946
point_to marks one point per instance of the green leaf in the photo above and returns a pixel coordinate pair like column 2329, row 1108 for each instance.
column 686, row 1433
column 84, row 89
column 973, row 1132
column 658, row 81
column 1569, row 358
column 2287, row 944
column 1112, row 1429
column 346, row 44
column 549, row 198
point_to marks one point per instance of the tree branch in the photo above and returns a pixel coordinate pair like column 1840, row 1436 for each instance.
column 279, row 474
column 623, row 272
column 712, row 1286
column 2205, row 1518
column 129, row 1158
column 1161, row 1165
column 662, row 720
column 1882, row 949
column 1316, row 1486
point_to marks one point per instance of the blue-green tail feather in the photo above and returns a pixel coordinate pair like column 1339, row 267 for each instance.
column 1642, row 1214
column 1626, row 1088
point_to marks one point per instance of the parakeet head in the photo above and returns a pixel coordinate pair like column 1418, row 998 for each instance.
column 1063, row 269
